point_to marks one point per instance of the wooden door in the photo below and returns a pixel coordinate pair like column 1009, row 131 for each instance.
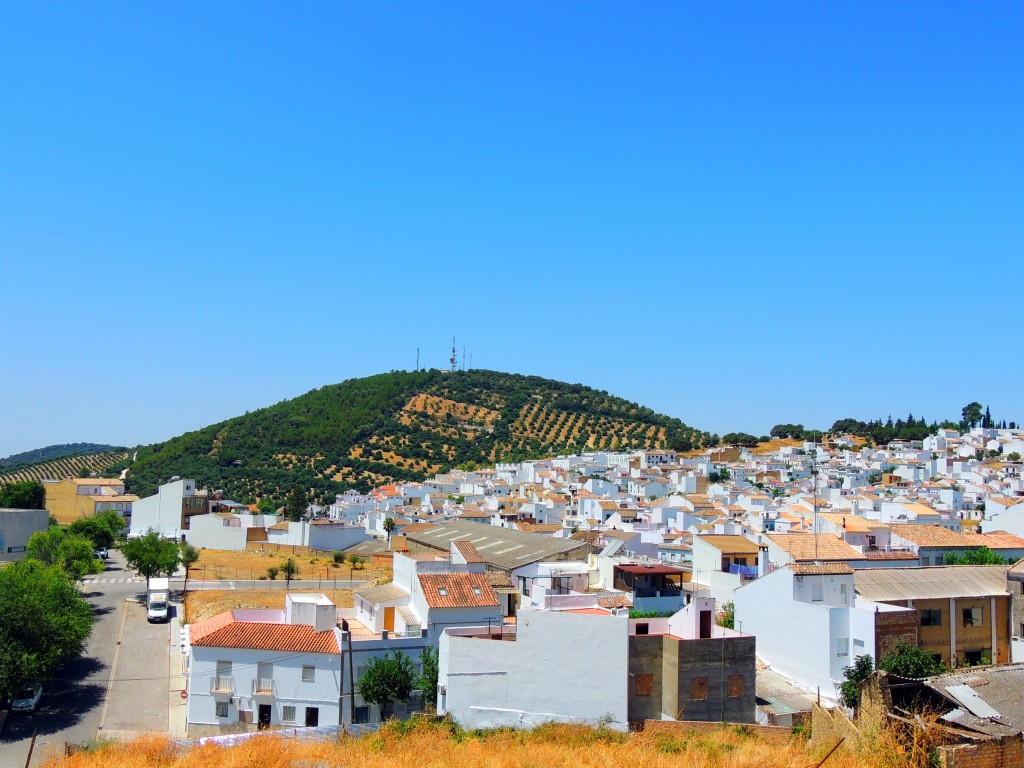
column 389, row 619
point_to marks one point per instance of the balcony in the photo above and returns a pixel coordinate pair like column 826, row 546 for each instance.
column 222, row 685
column 263, row 687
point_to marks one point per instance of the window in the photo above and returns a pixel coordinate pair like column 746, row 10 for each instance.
column 308, row 673
column 972, row 617
column 844, row 593
column 735, row 688
column 222, row 709
column 817, row 592
column 858, row 644
column 288, row 714
column 698, row 688
column 362, row 715
column 643, row 629
column 842, row 646
column 645, row 685
column 931, row 618
column 972, row 658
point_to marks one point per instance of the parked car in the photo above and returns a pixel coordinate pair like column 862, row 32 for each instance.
column 27, row 700
column 100, row 553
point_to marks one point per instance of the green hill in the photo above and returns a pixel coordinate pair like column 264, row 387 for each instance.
column 106, row 464
column 402, row 426
column 51, row 452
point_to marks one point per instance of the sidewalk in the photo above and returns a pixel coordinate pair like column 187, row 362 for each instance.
column 176, row 705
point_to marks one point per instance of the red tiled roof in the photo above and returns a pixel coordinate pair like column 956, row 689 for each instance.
column 457, row 590
column 614, row 601
column 468, row 551
column 222, row 631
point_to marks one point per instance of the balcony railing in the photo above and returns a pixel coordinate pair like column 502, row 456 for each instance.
column 262, row 687
column 222, row 685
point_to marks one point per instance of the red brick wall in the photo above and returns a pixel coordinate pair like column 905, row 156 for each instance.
column 892, row 628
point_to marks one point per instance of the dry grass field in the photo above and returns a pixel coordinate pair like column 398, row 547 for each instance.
column 215, row 565
column 445, row 746
column 206, row 603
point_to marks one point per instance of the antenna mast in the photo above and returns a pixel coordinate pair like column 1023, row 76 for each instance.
column 454, row 358
column 417, row 358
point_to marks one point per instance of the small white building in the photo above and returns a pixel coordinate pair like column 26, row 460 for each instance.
column 540, row 677
column 267, row 667
column 166, row 511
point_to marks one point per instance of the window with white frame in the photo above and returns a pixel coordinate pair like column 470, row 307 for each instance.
column 288, row 714
column 972, row 617
column 222, row 709
column 308, row 673
column 842, row 646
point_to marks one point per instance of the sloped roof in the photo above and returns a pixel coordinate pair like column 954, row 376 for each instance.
column 815, row 546
column 468, row 551
column 995, row 540
column 500, row 547
column 381, row 593
column 929, row 535
column 930, row 582
column 853, row 523
column 223, row 631
column 725, row 542
column 457, row 590
column 820, row 569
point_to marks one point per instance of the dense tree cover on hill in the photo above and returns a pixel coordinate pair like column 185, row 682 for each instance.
column 55, row 452
column 360, row 433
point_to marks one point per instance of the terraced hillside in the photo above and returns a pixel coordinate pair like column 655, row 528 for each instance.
column 66, row 466
column 403, row 426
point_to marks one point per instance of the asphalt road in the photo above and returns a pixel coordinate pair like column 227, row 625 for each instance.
column 120, row 684
column 73, row 702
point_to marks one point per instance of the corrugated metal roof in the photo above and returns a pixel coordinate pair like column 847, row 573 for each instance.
column 502, row 547
column 382, row 593
column 935, row 582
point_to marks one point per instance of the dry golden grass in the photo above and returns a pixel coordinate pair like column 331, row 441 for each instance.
column 774, row 445
column 443, row 746
column 209, row 602
column 216, row 564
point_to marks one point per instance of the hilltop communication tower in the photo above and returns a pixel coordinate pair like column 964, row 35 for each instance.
column 454, row 358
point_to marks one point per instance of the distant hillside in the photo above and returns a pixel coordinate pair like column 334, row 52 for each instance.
column 56, row 452
column 403, row 426
column 107, row 464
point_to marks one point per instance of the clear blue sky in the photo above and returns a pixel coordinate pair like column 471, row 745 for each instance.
column 736, row 213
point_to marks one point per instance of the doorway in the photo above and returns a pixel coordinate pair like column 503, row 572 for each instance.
column 312, row 717
column 264, row 717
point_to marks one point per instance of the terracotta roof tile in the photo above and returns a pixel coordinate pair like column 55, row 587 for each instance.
column 457, row 590
column 468, row 551
column 264, row 636
column 820, row 569
column 815, row 546
column 929, row 535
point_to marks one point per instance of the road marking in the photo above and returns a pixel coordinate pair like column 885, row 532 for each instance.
column 113, row 667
